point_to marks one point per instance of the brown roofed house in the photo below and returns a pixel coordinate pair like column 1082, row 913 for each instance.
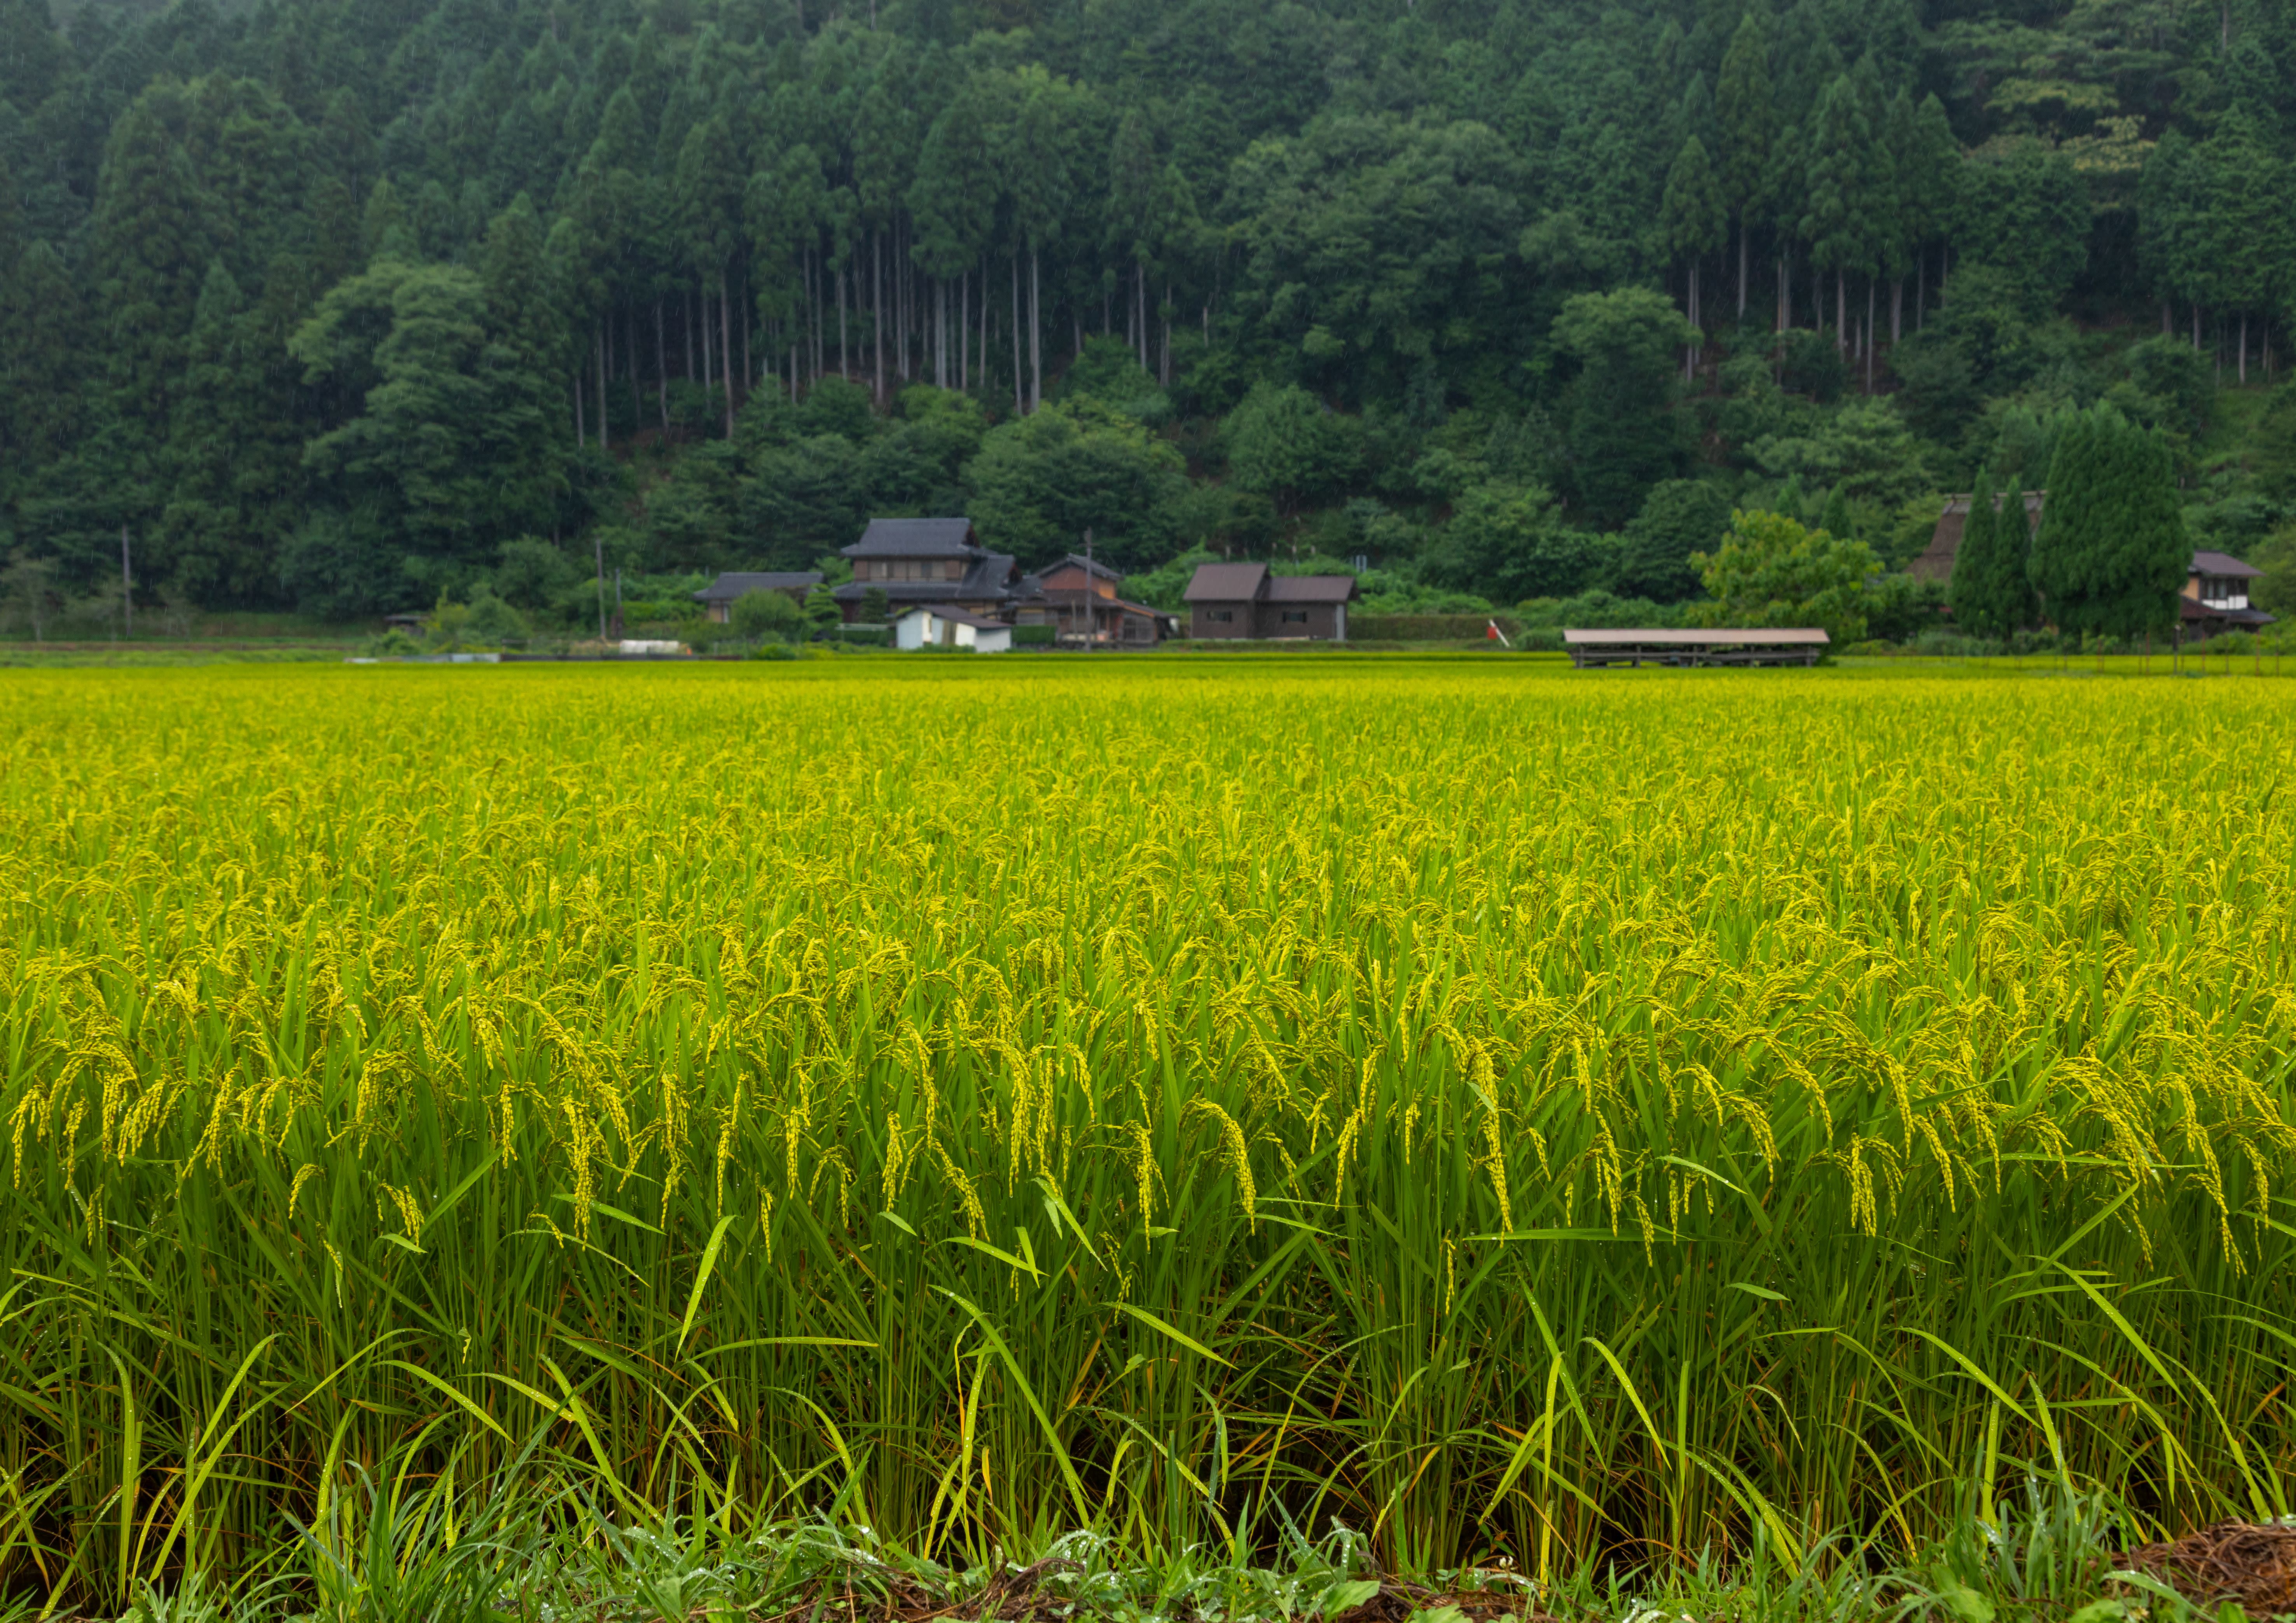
column 1078, row 597
column 1244, row 601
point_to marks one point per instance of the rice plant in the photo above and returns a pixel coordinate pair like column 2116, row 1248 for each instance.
column 1532, row 1122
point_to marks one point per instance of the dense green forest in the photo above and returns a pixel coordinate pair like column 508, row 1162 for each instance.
column 335, row 307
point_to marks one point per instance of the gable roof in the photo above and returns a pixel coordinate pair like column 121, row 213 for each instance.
column 1225, row 583
column 916, row 538
column 1312, row 589
column 2225, row 563
column 735, row 583
column 1090, row 566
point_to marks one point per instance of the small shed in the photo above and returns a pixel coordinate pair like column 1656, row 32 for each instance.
column 946, row 626
column 718, row 598
column 1657, row 645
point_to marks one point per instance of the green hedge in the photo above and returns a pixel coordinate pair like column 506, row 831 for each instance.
column 1034, row 637
column 861, row 636
column 1424, row 627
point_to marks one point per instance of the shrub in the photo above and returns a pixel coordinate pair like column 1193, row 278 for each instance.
column 1034, row 637
column 759, row 614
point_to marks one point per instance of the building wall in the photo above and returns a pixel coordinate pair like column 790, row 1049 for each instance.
column 1241, row 621
column 1322, row 621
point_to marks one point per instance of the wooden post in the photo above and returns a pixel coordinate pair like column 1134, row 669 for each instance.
column 126, row 587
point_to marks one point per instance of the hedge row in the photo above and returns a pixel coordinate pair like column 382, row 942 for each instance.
column 1424, row 627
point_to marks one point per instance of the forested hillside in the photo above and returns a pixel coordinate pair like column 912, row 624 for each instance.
column 335, row 304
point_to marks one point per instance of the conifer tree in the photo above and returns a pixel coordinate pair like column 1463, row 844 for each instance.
column 526, row 340
column 1695, row 218
column 1746, row 114
column 1835, row 519
column 1837, row 218
column 156, row 231
column 2012, row 607
column 2111, row 555
column 1970, row 592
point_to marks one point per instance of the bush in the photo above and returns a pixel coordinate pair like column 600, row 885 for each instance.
column 859, row 635
column 393, row 645
column 494, row 620
column 774, row 650
column 1034, row 637
column 759, row 614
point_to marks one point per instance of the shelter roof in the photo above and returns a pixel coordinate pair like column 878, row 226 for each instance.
column 1731, row 636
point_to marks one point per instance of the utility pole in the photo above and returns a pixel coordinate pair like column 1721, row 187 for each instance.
column 1091, row 615
column 127, row 587
column 600, row 540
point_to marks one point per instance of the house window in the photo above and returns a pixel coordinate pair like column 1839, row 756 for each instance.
column 1295, row 617
column 1220, row 616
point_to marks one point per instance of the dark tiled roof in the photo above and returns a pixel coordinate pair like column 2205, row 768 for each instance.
column 2191, row 609
column 1225, row 583
column 734, row 583
column 1312, row 589
column 915, row 538
column 2225, row 563
column 989, row 580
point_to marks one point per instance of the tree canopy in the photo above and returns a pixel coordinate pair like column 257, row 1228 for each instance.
column 335, row 307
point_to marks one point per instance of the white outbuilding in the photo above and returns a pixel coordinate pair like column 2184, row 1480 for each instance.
column 946, row 626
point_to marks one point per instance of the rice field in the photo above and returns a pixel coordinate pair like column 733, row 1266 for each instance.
column 1523, row 1117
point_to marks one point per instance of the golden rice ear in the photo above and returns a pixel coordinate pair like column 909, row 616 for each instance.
column 1515, row 1111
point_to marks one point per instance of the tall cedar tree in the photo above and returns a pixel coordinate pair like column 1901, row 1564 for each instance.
column 1968, row 592
column 1746, row 113
column 1696, row 219
column 2111, row 555
column 2013, row 606
column 1976, row 564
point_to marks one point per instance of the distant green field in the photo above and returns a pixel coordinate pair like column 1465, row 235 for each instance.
column 1519, row 1112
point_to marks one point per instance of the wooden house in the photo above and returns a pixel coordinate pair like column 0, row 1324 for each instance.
column 1242, row 600
column 1078, row 597
column 917, row 562
column 2215, row 597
